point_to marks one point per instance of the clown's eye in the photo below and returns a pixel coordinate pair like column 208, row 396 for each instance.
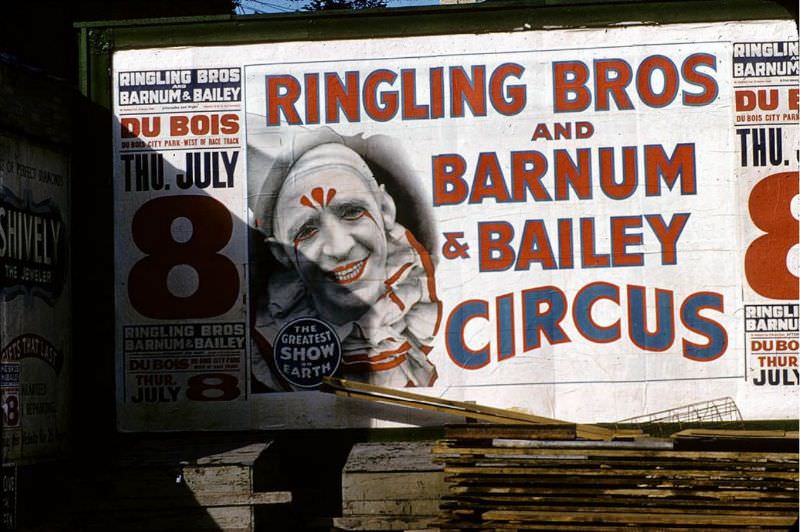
column 306, row 231
column 353, row 212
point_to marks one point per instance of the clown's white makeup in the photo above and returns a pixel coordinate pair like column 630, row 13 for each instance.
column 348, row 262
column 331, row 222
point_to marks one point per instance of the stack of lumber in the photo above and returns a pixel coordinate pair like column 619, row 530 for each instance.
column 522, row 478
column 390, row 486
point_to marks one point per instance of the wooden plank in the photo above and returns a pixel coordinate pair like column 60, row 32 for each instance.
column 737, row 434
column 254, row 499
column 424, row 406
column 543, row 483
column 476, row 411
column 643, row 473
column 566, row 465
column 473, row 504
column 644, row 493
column 473, row 449
column 234, row 479
column 641, row 503
column 621, row 494
column 560, row 431
column 535, row 482
column 611, row 463
column 788, row 458
column 470, row 407
column 638, row 444
column 628, row 518
column 763, row 440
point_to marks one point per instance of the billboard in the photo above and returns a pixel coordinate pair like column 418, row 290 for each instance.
column 586, row 224
column 35, row 299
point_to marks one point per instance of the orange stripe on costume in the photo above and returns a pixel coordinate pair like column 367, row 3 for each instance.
column 393, row 279
column 366, row 367
column 396, row 300
column 403, row 349
column 427, row 263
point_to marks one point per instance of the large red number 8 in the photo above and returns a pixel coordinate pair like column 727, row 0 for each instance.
column 765, row 260
column 218, row 278
column 222, row 387
column 11, row 411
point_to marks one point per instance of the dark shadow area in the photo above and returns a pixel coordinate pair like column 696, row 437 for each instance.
column 41, row 35
column 105, row 480
column 119, row 481
column 310, row 466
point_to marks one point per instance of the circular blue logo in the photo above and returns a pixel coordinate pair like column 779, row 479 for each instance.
column 305, row 351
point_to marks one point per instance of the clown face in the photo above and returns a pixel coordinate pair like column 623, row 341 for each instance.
column 331, row 224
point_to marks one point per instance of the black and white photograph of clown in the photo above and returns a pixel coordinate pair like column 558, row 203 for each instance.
column 341, row 233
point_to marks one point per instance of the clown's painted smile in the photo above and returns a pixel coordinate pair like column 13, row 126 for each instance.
column 349, row 273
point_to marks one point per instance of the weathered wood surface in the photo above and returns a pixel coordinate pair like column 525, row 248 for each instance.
column 389, row 457
column 393, row 486
column 390, row 486
column 391, row 472
column 427, row 507
column 406, row 524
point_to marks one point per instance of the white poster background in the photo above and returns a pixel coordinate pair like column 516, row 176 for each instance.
column 577, row 380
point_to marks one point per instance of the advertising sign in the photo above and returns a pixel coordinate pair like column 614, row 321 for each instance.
column 35, row 314
column 586, row 224
column 766, row 107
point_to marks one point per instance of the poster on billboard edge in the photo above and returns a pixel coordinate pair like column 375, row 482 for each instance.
column 35, row 299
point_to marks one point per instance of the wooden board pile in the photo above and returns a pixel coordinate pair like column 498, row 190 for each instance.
column 517, row 477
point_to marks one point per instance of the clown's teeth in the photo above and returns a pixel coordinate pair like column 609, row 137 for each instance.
column 349, row 272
